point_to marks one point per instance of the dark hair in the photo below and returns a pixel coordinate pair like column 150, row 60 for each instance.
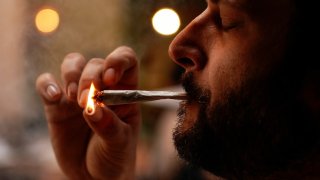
column 302, row 65
column 303, row 38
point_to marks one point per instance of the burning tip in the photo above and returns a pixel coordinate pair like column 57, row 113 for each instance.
column 90, row 108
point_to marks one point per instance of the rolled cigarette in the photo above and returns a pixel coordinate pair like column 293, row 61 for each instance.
column 117, row 97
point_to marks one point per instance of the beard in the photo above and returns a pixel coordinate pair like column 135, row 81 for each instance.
column 252, row 131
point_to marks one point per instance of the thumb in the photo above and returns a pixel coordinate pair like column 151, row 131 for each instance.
column 106, row 124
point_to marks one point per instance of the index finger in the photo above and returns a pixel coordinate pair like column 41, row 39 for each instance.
column 71, row 69
column 121, row 64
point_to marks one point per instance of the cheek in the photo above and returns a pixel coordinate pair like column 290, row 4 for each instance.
column 225, row 71
column 189, row 118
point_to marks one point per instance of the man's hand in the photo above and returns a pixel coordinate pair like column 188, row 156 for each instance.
column 98, row 146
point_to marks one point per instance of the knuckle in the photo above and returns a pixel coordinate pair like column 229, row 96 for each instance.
column 122, row 57
column 72, row 75
column 74, row 55
column 125, row 48
column 73, row 61
column 128, row 52
column 95, row 61
column 44, row 78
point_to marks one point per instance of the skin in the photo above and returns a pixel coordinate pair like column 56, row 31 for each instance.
column 99, row 145
column 234, row 50
column 244, row 117
column 230, row 44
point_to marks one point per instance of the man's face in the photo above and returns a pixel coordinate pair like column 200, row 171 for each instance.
column 238, row 118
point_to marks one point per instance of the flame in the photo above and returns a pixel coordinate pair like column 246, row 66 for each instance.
column 90, row 108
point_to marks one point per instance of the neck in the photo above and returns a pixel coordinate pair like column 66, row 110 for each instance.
column 305, row 169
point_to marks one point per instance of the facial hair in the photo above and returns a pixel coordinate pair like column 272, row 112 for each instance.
column 253, row 131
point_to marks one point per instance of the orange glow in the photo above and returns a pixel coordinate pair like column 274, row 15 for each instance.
column 90, row 108
column 47, row 20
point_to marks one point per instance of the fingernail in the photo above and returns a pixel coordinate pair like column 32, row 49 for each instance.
column 83, row 98
column 72, row 90
column 110, row 75
column 52, row 91
column 95, row 115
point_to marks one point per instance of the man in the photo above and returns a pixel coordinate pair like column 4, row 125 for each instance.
column 253, row 106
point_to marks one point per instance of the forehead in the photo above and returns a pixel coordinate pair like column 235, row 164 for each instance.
column 252, row 4
column 238, row 3
column 259, row 8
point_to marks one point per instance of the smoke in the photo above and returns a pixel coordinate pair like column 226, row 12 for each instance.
column 93, row 28
column 11, row 54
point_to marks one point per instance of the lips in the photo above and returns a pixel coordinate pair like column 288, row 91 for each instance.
column 199, row 96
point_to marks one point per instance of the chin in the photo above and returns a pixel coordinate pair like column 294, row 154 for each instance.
column 187, row 116
column 253, row 133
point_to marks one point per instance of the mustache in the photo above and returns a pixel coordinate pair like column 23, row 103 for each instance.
column 193, row 90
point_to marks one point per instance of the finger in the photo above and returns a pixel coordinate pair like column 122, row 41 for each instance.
column 48, row 88
column 109, row 127
column 120, row 64
column 90, row 74
column 71, row 70
column 68, row 130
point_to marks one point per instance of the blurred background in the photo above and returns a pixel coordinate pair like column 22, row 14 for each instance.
column 36, row 35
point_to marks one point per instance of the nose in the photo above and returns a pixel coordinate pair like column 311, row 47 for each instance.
column 187, row 49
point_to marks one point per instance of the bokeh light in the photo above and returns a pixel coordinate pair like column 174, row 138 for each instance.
column 47, row 20
column 166, row 21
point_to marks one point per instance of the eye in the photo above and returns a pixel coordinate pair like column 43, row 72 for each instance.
column 231, row 18
column 225, row 17
column 229, row 24
column 225, row 23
